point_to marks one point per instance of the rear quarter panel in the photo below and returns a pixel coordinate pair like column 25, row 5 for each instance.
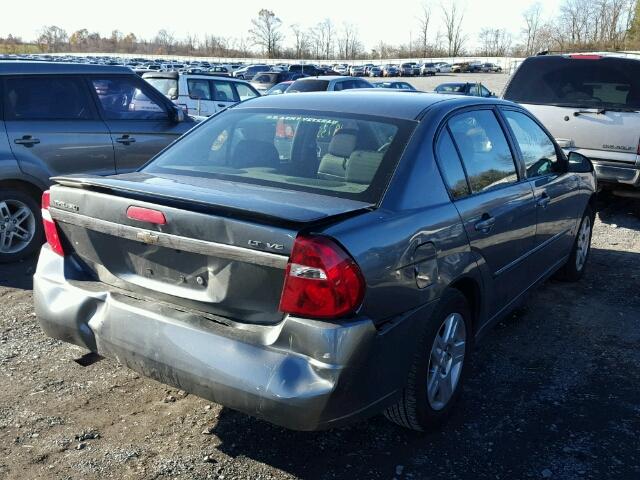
column 416, row 216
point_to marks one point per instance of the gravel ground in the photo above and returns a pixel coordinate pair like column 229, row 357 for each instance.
column 553, row 393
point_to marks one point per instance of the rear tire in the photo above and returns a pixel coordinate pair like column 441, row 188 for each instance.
column 21, row 230
column 573, row 270
column 438, row 368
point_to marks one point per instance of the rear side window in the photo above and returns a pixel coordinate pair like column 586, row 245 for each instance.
column 538, row 151
column 450, row 166
column 47, row 98
column 199, row 89
column 582, row 83
column 484, row 149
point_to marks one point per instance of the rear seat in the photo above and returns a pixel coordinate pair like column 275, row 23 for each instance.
column 362, row 165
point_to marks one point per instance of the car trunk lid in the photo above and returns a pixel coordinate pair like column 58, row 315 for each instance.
column 221, row 249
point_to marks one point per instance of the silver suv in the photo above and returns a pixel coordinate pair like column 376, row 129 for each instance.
column 591, row 104
column 58, row 119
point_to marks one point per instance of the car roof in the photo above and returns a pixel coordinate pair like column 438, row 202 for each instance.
column 11, row 67
column 376, row 102
column 326, row 77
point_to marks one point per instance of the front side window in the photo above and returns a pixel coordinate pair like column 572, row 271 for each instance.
column 199, row 89
column 244, row 91
column 47, row 98
column 332, row 154
column 538, row 151
column 223, row 92
column 125, row 99
column 484, row 149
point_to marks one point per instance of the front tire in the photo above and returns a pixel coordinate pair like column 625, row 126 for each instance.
column 573, row 270
column 438, row 368
column 21, row 230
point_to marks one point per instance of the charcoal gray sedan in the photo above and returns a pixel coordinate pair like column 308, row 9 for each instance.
column 317, row 259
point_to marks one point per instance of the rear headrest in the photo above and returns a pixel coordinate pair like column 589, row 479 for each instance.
column 343, row 143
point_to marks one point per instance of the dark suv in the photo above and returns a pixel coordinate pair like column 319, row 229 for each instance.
column 58, row 119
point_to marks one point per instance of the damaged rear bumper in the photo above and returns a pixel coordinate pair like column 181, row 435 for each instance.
column 301, row 374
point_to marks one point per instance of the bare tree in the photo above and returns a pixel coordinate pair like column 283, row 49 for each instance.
column 52, row 39
column 494, row 42
column 532, row 23
column 301, row 41
column 165, row 41
column 453, row 18
column 423, row 22
column 266, row 32
column 349, row 46
column 323, row 39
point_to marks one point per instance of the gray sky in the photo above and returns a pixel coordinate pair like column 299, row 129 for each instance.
column 392, row 21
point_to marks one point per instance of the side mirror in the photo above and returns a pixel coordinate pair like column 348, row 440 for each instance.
column 177, row 114
column 578, row 163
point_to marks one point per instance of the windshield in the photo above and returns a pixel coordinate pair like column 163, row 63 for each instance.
column 612, row 83
column 341, row 155
column 166, row 86
column 452, row 87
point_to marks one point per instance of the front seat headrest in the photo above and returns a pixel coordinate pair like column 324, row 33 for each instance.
column 343, row 143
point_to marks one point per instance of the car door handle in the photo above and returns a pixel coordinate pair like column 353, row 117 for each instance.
column 125, row 139
column 27, row 141
column 486, row 224
column 222, row 105
column 544, row 200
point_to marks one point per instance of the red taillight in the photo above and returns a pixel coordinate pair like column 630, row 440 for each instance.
column 146, row 215
column 321, row 280
column 585, row 57
column 50, row 228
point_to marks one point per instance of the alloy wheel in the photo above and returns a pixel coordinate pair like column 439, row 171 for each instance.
column 17, row 226
column 446, row 360
column 582, row 246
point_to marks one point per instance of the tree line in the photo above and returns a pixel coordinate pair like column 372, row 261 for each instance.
column 578, row 25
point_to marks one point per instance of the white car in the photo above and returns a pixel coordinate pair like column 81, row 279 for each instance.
column 327, row 84
column 591, row 104
column 201, row 94
column 443, row 67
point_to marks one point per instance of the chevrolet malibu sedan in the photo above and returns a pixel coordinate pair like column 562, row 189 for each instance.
column 316, row 259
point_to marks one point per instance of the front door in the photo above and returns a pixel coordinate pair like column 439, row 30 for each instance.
column 138, row 119
column 53, row 127
column 556, row 190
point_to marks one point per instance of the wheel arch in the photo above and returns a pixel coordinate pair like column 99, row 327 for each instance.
column 470, row 288
column 31, row 188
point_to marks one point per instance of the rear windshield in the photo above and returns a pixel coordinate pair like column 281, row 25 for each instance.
column 604, row 83
column 167, row 86
column 309, row 86
column 341, row 155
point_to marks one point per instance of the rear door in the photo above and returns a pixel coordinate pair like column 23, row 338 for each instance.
column 137, row 117
column 53, row 127
column 556, row 191
column 587, row 101
column 495, row 204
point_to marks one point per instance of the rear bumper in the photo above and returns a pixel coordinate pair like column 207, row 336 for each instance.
column 301, row 374
column 626, row 175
